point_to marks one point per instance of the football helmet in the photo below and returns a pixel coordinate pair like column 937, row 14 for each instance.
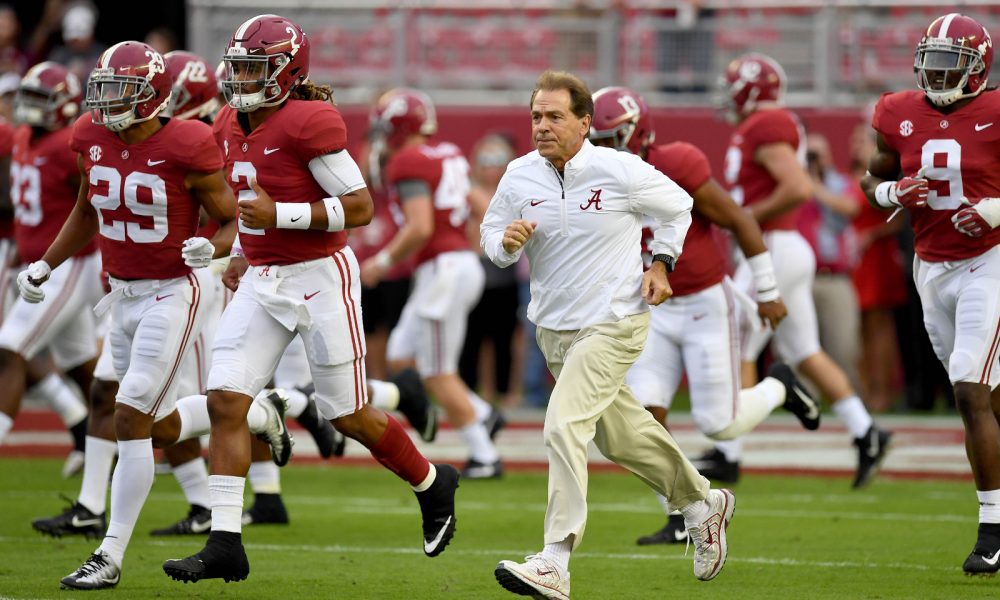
column 129, row 85
column 953, row 59
column 48, row 96
column 400, row 113
column 622, row 116
column 265, row 59
column 195, row 90
column 749, row 80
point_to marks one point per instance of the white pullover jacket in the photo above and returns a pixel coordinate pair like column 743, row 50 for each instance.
column 585, row 255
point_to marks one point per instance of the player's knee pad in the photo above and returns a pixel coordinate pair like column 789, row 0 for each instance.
column 962, row 366
column 648, row 390
column 136, row 388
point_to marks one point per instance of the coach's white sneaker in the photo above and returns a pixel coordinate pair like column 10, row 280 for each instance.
column 275, row 402
column 537, row 577
column 709, row 534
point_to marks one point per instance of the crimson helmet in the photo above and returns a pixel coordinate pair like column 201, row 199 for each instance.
column 400, row 113
column 953, row 59
column 129, row 85
column 48, row 96
column 265, row 59
column 623, row 116
column 195, row 93
column 749, row 80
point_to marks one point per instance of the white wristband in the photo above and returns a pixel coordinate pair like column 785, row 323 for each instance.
column 383, row 259
column 763, row 276
column 989, row 210
column 293, row 215
column 885, row 195
column 236, row 249
column 335, row 216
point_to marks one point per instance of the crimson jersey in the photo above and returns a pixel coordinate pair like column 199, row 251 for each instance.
column 960, row 151
column 43, row 189
column 749, row 181
column 143, row 205
column 6, row 147
column 701, row 263
column 446, row 172
column 277, row 154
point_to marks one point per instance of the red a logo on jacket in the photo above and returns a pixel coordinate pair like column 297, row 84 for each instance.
column 595, row 200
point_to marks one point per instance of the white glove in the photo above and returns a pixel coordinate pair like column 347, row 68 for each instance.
column 197, row 252
column 29, row 280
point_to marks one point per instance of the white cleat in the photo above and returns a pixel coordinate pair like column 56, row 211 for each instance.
column 537, row 577
column 97, row 573
column 73, row 464
column 275, row 403
column 709, row 534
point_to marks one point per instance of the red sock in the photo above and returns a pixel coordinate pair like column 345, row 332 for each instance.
column 397, row 453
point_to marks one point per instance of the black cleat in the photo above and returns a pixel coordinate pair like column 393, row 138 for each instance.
column 713, row 464
column 477, row 470
column 494, row 422
column 415, row 405
column 984, row 560
column 267, row 509
column 75, row 520
column 329, row 441
column 674, row 532
column 437, row 507
column 872, row 450
column 798, row 401
column 198, row 520
column 98, row 572
column 275, row 434
column 222, row 558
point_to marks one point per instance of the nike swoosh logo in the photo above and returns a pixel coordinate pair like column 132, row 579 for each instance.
column 158, row 298
column 813, row 407
column 544, row 573
column 993, row 560
column 536, row 202
column 430, row 546
column 268, row 151
column 699, row 317
column 77, row 522
column 296, row 218
column 153, row 163
column 982, row 127
column 680, row 535
column 873, row 451
column 976, row 268
column 310, row 296
column 197, row 527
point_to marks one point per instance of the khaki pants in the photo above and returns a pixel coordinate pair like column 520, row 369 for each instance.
column 590, row 401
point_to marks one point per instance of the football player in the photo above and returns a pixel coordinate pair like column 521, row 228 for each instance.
column 765, row 172
column 283, row 143
column 429, row 184
column 936, row 158
column 143, row 181
column 40, row 340
column 695, row 330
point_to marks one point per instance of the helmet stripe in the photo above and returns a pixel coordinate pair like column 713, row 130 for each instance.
column 947, row 23
column 109, row 53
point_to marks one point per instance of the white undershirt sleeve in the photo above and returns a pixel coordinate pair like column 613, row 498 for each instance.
column 337, row 173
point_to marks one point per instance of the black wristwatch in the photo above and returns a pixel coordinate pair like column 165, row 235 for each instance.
column 667, row 260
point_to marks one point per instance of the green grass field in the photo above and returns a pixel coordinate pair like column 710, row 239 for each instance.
column 355, row 533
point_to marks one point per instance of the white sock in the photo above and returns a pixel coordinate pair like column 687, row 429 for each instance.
column 195, row 421
column 130, row 486
column 63, row 398
column 664, row 503
column 695, row 512
column 227, row 502
column 428, row 480
column 853, row 413
column 477, row 439
column 99, row 455
column 482, row 407
column 384, row 395
column 264, row 477
column 559, row 552
column 989, row 506
column 755, row 404
column 193, row 479
column 731, row 449
column 297, row 402
column 5, row 425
